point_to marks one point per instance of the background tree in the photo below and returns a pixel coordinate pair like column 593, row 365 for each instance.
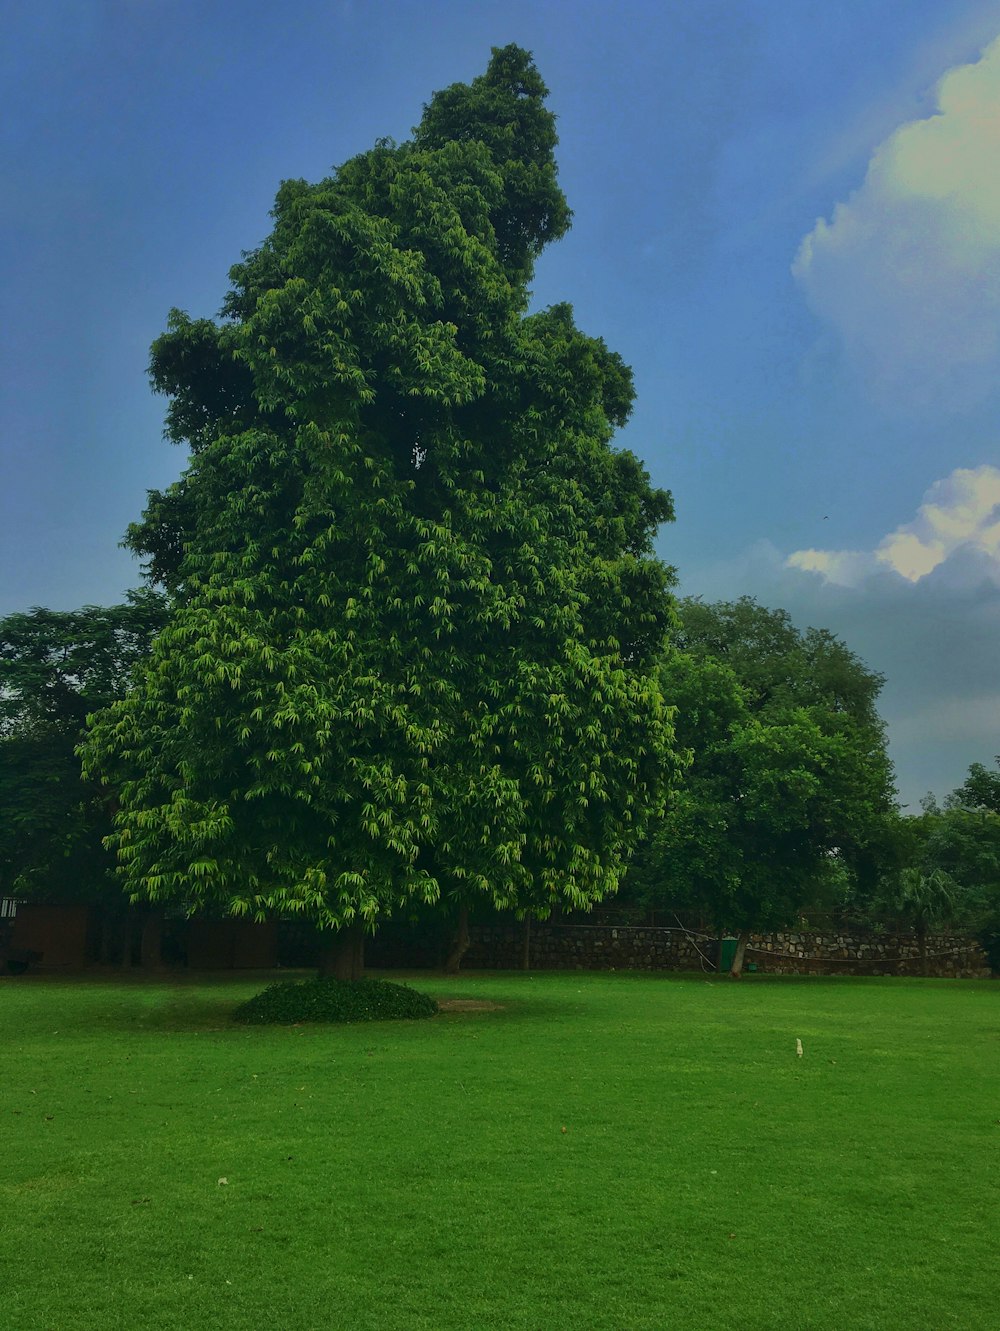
column 979, row 790
column 779, row 666
column 414, row 648
column 55, row 668
column 962, row 842
column 789, row 786
column 923, row 900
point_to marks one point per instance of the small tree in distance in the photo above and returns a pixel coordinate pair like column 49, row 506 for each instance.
column 959, row 845
column 979, row 790
column 55, row 668
column 924, row 901
column 413, row 650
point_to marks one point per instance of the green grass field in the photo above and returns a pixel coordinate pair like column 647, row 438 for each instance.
column 163, row 1168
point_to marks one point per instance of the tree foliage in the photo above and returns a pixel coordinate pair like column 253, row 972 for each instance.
column 778, row 666
column 979, row 790
column 925, row 898
column 416, row 615
column 956, row 846
column 789, row 783
column 55, row 668
column 965, row 843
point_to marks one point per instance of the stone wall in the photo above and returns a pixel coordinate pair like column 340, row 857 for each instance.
column 501, row 946
column 867, row 954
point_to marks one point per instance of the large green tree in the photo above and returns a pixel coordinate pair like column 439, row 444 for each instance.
column 789, row 789
column 417, row 617
column 55, row 668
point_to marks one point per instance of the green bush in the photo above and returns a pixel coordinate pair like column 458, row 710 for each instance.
column 292, row 1001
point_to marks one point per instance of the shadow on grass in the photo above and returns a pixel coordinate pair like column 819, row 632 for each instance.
column 195, row 1003
column 200, row 1002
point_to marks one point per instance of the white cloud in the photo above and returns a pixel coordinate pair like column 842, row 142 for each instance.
column 960, row 516
column 908, row 268
column 922, row 607
column 846, row 568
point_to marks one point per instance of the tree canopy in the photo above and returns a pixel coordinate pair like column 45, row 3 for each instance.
column 416, row 617
column 55, row 668
column 955, row 848
column 777, row 665
column 979, row 790
column 789, row 782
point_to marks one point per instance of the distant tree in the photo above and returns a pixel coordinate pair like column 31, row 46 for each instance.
column 417, row 625
column 55, row 668
column 922, row 901
column 979, row 790
column 789, row 785
column 946, row 868
column 963, row 842
column 779, row 666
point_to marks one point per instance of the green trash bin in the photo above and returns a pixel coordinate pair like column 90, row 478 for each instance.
column 727, row 953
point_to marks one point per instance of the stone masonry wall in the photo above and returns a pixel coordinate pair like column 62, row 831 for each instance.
column 850, row 953
column 501, row 946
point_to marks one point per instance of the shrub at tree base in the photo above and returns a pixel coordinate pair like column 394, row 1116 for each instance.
column 334, row 1000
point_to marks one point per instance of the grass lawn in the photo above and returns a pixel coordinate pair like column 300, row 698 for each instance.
column 162, row 1168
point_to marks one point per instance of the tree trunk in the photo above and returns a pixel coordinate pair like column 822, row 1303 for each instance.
column 128, row 923
column 736, row 970
column 344, row 956
column 922, row 943
column 151, row 940
column 461, row 943
column 109, row 934
column 526, row 945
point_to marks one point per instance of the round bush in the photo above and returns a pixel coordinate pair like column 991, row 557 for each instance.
column 292, row 1001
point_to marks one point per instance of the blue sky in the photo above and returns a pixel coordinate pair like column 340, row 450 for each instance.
column 787, row 219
